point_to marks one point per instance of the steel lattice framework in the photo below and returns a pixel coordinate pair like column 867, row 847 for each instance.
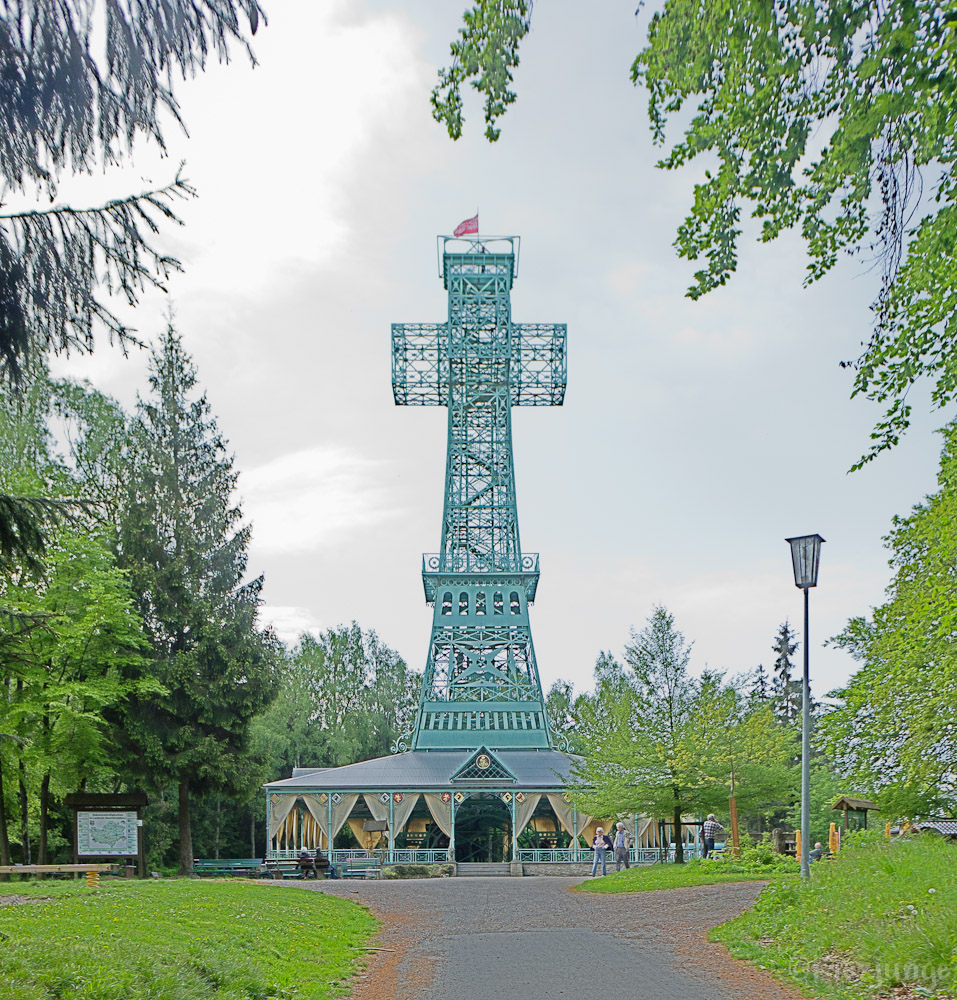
column 481, row 684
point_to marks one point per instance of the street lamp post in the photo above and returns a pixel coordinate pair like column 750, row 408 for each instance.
column 805, row 556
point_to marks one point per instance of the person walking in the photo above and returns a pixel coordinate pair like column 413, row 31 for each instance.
column 601, row 845
column 621, row 847
column 708, row 832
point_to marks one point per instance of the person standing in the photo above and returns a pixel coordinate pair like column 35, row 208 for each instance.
column 601, row 845
column 708, row 832
column 621, row 847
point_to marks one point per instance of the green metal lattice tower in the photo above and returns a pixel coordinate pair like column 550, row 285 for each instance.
column 481, row 685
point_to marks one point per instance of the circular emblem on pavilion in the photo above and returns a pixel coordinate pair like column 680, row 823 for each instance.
column 483, row 761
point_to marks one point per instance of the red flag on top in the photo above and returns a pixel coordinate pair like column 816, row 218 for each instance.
column 468, row 226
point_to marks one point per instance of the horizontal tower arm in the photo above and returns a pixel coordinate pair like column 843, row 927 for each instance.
column 538, row 368
column 420, row 364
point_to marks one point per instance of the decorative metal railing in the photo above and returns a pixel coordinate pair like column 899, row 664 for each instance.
column 434, row 856
column 399, row 856
column 572, row 855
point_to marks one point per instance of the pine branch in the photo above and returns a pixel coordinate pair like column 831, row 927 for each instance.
column 53, row 261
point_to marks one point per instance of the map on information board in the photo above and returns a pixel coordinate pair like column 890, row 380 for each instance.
column 102, row 834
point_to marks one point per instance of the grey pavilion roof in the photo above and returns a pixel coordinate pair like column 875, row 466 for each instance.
column 425, row 770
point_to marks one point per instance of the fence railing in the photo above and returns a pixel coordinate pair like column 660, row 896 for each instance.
column 572, row 855
column 399, row 856
column 553, row 856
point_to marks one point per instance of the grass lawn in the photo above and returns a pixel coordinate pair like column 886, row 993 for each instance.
column 881, row 916
column 177, row 939
column 647, row 878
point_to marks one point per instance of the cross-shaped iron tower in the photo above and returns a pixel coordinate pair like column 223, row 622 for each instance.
column 481, row 685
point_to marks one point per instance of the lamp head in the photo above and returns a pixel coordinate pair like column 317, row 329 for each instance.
column 805, row 556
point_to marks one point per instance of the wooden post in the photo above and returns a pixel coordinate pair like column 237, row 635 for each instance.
column 777, row 840
column 797, row 843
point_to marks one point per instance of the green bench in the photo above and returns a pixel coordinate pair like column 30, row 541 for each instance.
column 228, row 866
column 361, row 868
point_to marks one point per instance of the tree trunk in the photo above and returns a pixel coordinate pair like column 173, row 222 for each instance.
column 44, row 818
column 4, row 833
column 679, row 844
column 185, row 831
column 218, row 824
column 24, row 817
column 252, row 832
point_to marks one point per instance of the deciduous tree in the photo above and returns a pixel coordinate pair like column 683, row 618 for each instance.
column 658, row 741
column 894, row 732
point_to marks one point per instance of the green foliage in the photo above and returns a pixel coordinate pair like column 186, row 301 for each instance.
column 88, row 657
column 73, row 101
column 179, row 940
column 893, row 731
column 657, row 741
column 762, row 81
column 880, row 915
column 760, row 86
column 560, row 703
column 184, row 548
column 485, row 53
column 344, row 696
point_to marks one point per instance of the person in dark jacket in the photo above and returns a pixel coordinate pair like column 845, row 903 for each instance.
column 307, row 866
column 324, row 866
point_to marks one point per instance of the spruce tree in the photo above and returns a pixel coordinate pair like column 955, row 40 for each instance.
column 787, row 690
column 182, row 540
column 760, row 685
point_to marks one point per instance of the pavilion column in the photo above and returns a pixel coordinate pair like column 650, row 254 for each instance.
column 391, row 825
column 514, row 831
column 452, row 834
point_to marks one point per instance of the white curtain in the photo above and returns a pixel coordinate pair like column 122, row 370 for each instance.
column 401, row 811
column 441, row 812
column 523, row 812
column 320, row 813
column 340, row 813
column 565, row 812
column 278, row 811
column 379, row 810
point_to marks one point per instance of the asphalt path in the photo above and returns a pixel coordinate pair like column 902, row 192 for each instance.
column 502, row 938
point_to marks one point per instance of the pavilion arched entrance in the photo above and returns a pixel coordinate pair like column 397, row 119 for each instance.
column 483, row 829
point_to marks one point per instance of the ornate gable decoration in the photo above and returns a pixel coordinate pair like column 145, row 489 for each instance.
column 483, row 765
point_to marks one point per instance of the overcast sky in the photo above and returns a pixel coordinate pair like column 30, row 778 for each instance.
column 694, row 437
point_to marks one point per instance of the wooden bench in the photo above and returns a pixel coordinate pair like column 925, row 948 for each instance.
column 228, row 866
column 54, row 869
column 361, row 868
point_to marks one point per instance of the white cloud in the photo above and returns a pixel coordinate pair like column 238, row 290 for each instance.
column 313, row 498
column 289, row 622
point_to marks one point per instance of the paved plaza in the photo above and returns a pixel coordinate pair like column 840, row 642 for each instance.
column 499, row 938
